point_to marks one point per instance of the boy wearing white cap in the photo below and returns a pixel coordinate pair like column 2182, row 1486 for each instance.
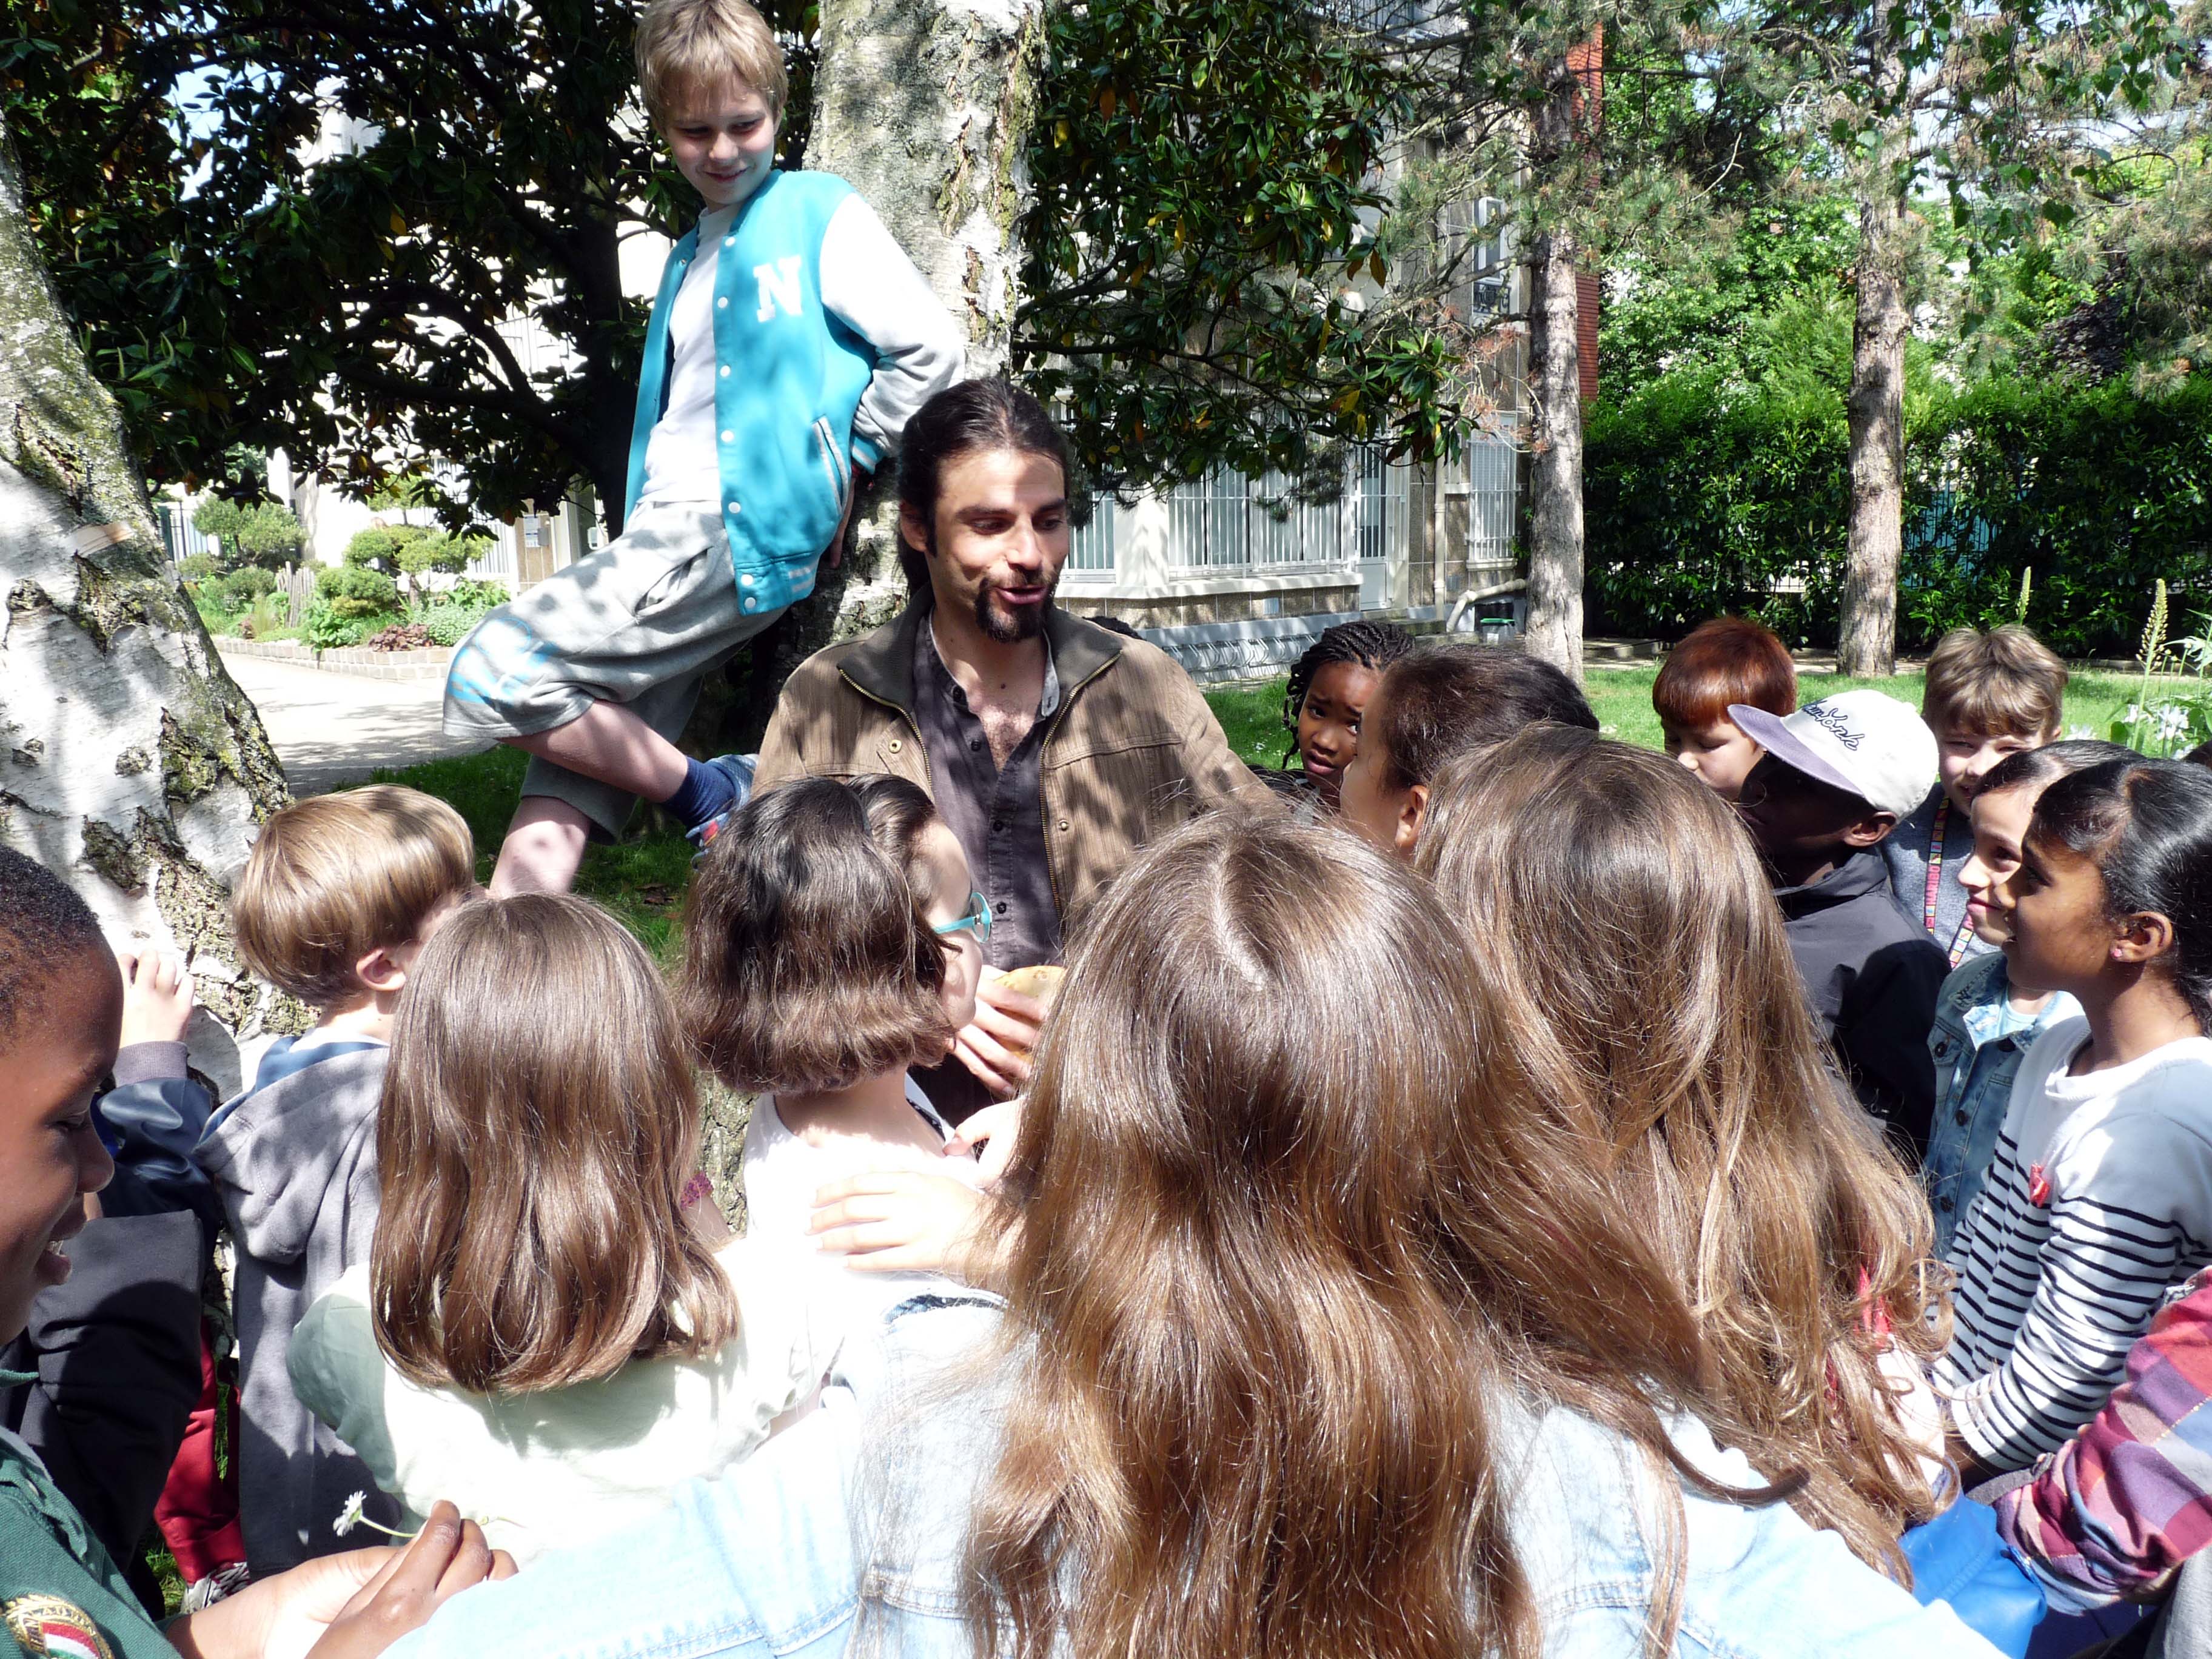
column 1836, row 778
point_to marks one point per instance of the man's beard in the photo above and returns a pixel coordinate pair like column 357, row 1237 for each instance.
column 1012, row 629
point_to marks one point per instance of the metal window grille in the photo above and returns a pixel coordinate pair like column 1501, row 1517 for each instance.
column 180, row 534
column 1493, row 506
column 1090, row 546
column 1226, row 521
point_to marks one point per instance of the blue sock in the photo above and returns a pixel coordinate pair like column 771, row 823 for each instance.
column 706, row 792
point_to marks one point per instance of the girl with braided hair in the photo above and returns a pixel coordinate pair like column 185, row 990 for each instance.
column 1327, row 694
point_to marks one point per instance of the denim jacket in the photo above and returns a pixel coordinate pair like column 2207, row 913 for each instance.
column 846, row 1535
column 1977, row 1043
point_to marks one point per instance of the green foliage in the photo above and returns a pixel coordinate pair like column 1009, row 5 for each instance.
column 263, row 533
column 196, row 567
column 1701, row 499
column 376, row 548
column 1704, row 498
column 1777, row 287
column 1200, row 282
column 412, row 551
column 354, row 591
column 449, row 616
column 327, row 629
column 237, row 591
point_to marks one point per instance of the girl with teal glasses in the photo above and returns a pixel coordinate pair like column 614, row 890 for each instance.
column 834, row 939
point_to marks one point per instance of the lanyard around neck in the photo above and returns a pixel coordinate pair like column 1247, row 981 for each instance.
column 1957, row 948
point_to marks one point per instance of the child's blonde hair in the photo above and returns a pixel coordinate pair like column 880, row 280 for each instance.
column 538, row 1125
column 686, row 44
column 2001, row 683
column 335, row 876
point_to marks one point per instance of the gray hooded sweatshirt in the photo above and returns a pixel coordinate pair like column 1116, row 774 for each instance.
column 294, row 1165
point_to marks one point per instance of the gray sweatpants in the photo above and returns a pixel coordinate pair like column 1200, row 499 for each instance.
column 639, row 623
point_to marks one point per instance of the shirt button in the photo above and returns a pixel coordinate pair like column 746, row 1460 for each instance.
column 1946, row 1202
column 745, row 581
column 999, row 828
column 975, row 743
column 1961, row 1118
column 728, row 436
column 1063, row 824
column 751, row 602
column 894, row 746
column 726, row 371
column 729, row 241
column 733, row 507
column 722, row 304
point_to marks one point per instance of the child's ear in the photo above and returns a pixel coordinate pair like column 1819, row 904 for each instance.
column 2143, row 937
column 380, row 973
column 1870, row 829
column 1410, row 810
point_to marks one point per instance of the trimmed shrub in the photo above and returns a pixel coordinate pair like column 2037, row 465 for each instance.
column 1701, row 497
column 352, row 591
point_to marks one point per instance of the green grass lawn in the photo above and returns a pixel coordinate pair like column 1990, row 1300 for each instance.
column 642, row 878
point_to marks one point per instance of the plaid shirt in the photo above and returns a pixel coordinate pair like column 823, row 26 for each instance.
column 2117, row 1509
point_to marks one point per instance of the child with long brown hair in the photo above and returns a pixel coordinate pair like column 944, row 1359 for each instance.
column 1680, row 1108
column 1283, row 1371
column 542, row 1335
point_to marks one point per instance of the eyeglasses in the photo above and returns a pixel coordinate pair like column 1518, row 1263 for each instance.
column 976, row 920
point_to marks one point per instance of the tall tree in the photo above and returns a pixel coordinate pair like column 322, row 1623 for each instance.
column 2013, row 107
column 134, row 766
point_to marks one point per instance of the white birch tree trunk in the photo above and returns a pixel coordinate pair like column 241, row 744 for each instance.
column 129, row 761
column 924, row 106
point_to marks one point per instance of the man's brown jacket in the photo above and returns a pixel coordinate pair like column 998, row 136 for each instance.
column 1132, row 751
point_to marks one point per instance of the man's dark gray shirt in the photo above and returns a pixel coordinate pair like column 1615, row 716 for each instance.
column 994, row 810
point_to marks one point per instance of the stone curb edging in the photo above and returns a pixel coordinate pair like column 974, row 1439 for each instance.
column 362, row 664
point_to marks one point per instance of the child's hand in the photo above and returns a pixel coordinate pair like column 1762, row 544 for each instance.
column 157, row 996
column 349, row 1606
column 901, row 1221
column 993, row 1129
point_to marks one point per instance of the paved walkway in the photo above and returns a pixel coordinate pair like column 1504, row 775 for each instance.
column 330, row 729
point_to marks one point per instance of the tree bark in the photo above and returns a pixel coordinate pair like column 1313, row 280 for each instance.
column 1866, row 642
column 1555, row 460
column 134, row 768
column 1866, row 639
column 925, row 107
column 1555, row 450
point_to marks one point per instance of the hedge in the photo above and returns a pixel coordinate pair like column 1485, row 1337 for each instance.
column 1700, row 498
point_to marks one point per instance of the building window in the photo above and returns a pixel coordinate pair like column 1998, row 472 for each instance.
column 1090, row 543
column 1227, row 521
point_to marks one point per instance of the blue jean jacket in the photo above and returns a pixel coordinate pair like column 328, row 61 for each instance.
column 845, row 1535
column 1976, row 1043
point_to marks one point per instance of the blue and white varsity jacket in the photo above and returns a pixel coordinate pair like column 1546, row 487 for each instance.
column 826, row 340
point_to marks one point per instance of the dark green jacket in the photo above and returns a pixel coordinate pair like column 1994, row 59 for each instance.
column 59, row 1592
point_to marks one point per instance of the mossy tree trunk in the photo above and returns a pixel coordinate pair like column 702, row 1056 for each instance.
column 129, row 761
column 925, row 107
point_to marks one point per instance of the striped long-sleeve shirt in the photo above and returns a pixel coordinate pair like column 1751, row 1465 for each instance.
column 2130, row 1498
column 2098, row 1204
